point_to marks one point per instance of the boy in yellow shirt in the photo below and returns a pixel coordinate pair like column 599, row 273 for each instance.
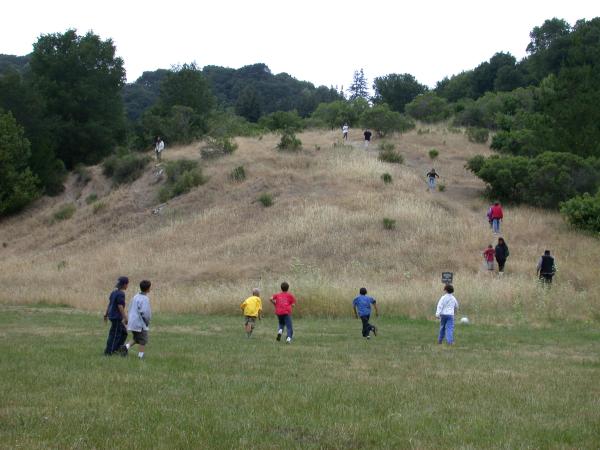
column 252, row 308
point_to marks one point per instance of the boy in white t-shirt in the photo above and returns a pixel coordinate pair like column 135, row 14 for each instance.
column 446, row 308
column 140, row 315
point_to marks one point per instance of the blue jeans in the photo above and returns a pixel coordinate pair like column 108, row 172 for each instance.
column 496, row 225
column 446, row 328
column 431, row 182
column 285, row 320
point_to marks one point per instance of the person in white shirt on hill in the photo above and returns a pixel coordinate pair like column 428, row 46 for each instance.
column 446, row 308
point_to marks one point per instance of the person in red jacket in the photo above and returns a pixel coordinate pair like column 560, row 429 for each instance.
column 497, row 216
column 284, row 303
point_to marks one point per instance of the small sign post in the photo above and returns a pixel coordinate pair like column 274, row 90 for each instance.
column 447, row 277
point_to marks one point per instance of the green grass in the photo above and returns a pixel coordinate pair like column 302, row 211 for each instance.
column 205, row 385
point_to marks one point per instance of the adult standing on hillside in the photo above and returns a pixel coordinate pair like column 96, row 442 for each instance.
column 345, row 129
column 367, row 135
column 497, row 215
column 115, row 312
column 159, row 146
column 546, row 268
column 502, row 254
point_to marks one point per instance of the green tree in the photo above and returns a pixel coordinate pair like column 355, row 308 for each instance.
column 80, row 80
column 383, row 120
column 428, row 107
column 359, row 87
column 397, row 90
column 18, row 185
column 248, row 105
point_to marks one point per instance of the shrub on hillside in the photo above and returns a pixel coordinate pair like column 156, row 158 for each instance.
column 238, row 174
column 390, row 156
column 125, row 168
column 82, row 174
column 387, row 178
column 65, row 212
column 266, row 200
column 182, row 176
column 583, row 211
column 389, row 224
column 433, row 153
column 289, row 142
column 475, row 163
column 91, row 199
column 218, row 146
column 429, row 108
column 478, row 135
column 386, row 146
column 384, row 121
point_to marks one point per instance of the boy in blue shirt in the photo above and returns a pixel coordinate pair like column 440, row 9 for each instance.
column 362, row 308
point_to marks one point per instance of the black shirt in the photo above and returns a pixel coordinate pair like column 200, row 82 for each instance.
column 367, row 135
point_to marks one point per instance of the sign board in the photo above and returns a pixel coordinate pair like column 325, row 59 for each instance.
column 447, row 277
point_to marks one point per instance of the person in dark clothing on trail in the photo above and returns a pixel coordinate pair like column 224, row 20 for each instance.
column 115, row 312
column 502, row 254
column 367, row 135
column 546, row 268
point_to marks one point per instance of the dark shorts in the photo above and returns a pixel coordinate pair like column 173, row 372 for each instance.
column 140, row 337
column 250, row 320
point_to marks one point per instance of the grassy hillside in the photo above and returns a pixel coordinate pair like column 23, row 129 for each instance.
column 324, row 235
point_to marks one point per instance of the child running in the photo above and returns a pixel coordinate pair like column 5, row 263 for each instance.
column 284, row 303
column 139, row 318
column 446, row 308
column 362, row 308
column 252, row 309
column 488, row 255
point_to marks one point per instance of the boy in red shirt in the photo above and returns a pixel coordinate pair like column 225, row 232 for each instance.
column 284, row 303
column 488, row 255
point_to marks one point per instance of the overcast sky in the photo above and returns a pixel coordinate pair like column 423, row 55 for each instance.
column 322, row 41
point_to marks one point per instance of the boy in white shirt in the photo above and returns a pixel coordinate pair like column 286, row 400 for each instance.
column 446, row 308
column 139, row 318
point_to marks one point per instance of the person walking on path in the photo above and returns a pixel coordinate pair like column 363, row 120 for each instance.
column 502, row 253
column 367, row 134
column 497, row 215
column 284, row 303
column 488, row 255
column 159, row 146
column 252, row 309
column 362, row 309
column 446, row 309
column 345, row 132
column 431, row 176
column 489, row 215
column 115, row 312
column 140, row 315
column 546, row 268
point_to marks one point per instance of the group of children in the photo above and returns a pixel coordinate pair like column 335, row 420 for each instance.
column 136, row 320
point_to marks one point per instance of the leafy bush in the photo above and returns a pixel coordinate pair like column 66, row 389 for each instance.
column 65, row 212
column 223, row 123
column 583, row 211
column 218, row 146
column 475, row 163
column 282, row 121
column 386, row 146
column 389, row 224
column 478, row 135
column 433, row 153
column 390, row 156
column 441, row 187
column 238, row 174
column 266, row 200
column 182, row 176
column 83, row 174
column 429, row 108
column 384, row 121
column 546, row 180
column 289, row 142
column 125, row 168
column 387, row 178
column 91, row 199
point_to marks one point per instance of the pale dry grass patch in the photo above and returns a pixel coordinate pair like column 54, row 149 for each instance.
column 324, row 235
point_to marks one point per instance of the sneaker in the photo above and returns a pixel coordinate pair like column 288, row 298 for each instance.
column 279, row 333
column 374, row 330
column 289, row 340
column 368, row 337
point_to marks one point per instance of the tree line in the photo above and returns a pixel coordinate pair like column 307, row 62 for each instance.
column 67, row 104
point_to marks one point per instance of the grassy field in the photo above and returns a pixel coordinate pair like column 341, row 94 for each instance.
column 205, row 385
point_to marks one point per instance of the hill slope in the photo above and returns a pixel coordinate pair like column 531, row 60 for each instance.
column 324, row 234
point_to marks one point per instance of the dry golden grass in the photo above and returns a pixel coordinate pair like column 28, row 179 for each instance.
column 324, row 235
